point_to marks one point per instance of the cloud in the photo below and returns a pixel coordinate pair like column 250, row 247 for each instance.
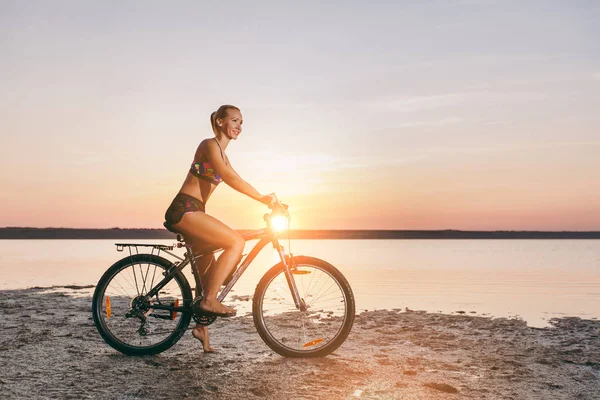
column 410, row 104
column 375, row 162
column 439, row 122
column 474, row 2
column 282, row 162
column 514, row 147
column 415, row 103
column 76, row 157
column 313, row 165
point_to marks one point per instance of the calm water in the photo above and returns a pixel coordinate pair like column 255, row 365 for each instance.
column 532, row 279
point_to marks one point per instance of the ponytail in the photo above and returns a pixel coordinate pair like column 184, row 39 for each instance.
column 213, row 122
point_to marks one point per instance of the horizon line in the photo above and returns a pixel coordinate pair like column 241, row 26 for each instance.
column 322, row 229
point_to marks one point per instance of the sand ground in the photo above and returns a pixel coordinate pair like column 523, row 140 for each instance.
column 49, row 348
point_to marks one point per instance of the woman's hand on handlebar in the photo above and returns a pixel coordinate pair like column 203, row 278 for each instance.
column 269, row 199
column 274, row 204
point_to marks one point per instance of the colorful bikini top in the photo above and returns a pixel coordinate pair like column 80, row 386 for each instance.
column 205, row 171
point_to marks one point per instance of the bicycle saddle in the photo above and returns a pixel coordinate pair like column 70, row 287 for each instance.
column 170, row 228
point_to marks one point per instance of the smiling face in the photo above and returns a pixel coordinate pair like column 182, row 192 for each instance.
column 231, row 125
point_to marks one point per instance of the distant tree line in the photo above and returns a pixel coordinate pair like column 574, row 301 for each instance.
column 144, row 233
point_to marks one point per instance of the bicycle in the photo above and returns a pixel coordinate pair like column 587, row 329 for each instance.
column 302, row 306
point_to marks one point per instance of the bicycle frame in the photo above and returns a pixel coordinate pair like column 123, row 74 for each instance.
column 265, row 235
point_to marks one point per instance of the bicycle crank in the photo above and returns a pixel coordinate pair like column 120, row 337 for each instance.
column 199, row 316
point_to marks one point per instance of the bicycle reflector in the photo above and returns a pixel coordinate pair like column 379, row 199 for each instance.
column 312, row 343
column 299, row 272
column 174, row 313
column 108, row 310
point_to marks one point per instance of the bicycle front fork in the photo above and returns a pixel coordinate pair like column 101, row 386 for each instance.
column 288, row 266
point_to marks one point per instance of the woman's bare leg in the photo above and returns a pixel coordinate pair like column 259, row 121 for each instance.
column 214, row 233
column 201, row 333
column 202, row 263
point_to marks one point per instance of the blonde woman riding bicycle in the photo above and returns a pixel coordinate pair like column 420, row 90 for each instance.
column 187, row 215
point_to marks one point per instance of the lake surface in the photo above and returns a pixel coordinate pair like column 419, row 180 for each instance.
column 531, row 279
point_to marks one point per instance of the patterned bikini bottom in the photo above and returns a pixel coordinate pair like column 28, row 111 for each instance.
column 181, row 205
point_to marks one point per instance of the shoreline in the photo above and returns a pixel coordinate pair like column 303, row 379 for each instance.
column 533, row 321
column 50, row 347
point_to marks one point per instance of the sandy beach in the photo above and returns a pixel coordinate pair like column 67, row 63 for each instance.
column 49, row 348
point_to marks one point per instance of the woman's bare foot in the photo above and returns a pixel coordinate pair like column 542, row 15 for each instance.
column 215, row 307
column 201, row 333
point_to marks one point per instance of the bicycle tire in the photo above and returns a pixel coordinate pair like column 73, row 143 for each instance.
column 263, row 322
column 100, row 304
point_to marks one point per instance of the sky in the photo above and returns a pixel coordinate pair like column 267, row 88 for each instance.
column 472, row 114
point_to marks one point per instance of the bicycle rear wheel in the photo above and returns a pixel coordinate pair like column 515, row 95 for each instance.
column 123, row 314
column 328, row 313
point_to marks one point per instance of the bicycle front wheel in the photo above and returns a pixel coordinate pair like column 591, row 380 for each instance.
column 124, row 315
column 321, row 324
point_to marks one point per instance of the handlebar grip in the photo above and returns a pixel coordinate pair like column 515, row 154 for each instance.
column 279, row 205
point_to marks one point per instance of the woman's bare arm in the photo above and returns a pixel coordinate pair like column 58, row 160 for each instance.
column 226, row 172
column 233, row 169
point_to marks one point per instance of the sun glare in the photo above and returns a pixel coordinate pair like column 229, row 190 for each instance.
column 279, row 223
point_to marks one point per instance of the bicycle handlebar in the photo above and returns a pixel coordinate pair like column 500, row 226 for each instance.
column 279, row 206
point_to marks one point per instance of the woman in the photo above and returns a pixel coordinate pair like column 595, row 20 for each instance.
column 186, row 214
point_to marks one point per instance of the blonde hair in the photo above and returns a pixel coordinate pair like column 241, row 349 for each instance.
column 220, row 113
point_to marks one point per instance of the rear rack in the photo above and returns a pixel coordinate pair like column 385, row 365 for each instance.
column 121, row 246
column 159, row 247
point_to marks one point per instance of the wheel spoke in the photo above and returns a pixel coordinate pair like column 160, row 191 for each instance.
column 134, row 326
column 290, row 331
